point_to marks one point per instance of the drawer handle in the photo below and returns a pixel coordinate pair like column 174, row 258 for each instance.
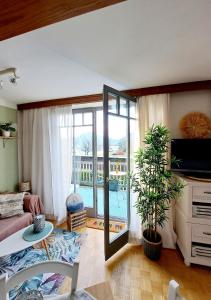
column 207, row 193
column 207, row 233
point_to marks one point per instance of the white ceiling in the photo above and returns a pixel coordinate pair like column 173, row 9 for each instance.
column 133, row 44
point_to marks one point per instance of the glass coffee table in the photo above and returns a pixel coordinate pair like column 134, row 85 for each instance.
column 16, row 242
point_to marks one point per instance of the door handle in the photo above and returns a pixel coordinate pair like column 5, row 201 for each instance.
column 107, row 179
column 207, row 233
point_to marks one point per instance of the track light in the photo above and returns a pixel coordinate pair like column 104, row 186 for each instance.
column 8, row 75
column 14, row 79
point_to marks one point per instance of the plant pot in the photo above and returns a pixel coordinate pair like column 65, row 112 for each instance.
column 152, row 248
column 5, row 133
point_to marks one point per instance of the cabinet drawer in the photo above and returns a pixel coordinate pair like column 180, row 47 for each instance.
column 201, row 233
column 202, row 194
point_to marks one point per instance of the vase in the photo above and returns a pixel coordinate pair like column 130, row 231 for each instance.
column 39, row 223
column 5, row 133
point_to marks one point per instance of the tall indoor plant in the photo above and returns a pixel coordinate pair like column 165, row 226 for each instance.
column 155, row 186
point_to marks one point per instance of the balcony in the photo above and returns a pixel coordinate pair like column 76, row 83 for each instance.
column 83, row 178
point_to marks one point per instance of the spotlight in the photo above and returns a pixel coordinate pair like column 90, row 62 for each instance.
column 13, row 79
column 8, row 74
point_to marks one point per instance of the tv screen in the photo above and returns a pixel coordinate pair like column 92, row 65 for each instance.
column 194, row 155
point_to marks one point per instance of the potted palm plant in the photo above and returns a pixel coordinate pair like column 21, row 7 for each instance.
column 155, row 186
column 6, row 129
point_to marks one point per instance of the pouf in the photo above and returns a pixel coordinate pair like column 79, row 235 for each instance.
column 74, row 203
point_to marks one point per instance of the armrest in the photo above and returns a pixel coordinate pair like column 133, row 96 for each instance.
column 33, row 204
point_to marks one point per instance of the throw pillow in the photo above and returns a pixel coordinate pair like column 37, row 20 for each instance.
column 11, row 205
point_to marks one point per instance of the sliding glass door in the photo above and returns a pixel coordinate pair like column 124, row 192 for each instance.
column 119, row 114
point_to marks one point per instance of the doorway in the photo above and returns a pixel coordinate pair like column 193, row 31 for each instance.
column 88, row 164
column 87, row 160
column 101, row 164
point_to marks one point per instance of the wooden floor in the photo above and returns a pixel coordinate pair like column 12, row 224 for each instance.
column 132, row 276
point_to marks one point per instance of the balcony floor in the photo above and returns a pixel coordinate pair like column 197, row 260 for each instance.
column 118, row 201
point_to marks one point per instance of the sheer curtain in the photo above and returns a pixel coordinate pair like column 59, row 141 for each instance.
column 135, row 232
column 154, row 109
column 45, row 153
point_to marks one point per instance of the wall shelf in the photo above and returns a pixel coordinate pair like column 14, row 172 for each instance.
column 5, row 139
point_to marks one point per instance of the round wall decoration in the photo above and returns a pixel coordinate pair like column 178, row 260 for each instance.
column 195, row 125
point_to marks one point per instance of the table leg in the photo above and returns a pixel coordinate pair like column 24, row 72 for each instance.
column 45, row 245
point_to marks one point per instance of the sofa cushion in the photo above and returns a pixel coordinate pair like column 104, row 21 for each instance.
column 11, row 205
column 11, row 225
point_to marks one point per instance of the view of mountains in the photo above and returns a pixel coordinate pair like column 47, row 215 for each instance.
column 86, row 139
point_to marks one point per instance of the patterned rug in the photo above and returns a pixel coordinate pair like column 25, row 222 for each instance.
column 63, row 246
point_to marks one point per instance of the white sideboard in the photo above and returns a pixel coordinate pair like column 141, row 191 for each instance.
column 193, row 222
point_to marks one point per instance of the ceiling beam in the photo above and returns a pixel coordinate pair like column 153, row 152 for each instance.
column 171, row 88
column 161, row 89
column 62, row 101
column 18, row 17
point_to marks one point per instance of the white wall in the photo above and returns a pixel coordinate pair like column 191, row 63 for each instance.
column 7, row 103
column 183, row 103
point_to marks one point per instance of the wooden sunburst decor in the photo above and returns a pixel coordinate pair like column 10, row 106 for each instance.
column 195, row 125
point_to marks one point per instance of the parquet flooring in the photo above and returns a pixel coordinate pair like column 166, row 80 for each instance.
column 132, row 276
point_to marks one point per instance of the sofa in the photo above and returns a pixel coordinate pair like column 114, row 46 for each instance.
column 32, row 206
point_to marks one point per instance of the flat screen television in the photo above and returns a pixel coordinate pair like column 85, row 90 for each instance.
column 194, row 156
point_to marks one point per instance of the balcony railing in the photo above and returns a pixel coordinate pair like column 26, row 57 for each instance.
column 83, row 170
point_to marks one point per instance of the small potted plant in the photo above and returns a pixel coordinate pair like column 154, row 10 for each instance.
column 6, row 129
column 155, row 186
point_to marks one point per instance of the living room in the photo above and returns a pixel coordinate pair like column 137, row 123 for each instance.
column 94, row 111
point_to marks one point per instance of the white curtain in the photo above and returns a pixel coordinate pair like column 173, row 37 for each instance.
column 154, row 109
column 135, row 232
column 45, row 155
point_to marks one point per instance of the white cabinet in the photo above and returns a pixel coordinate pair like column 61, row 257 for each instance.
column 193, row 222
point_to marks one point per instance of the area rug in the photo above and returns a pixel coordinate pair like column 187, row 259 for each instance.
column 114, row 226
column 63, row 246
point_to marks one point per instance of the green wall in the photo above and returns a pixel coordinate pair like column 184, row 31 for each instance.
column 8, row 155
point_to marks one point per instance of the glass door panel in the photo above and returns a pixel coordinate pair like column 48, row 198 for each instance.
column 83, row 170
column 99, row 168
column 123, row 107
column 132, row 108
column 112, row 103
column 87, row 118
column 116, row 167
